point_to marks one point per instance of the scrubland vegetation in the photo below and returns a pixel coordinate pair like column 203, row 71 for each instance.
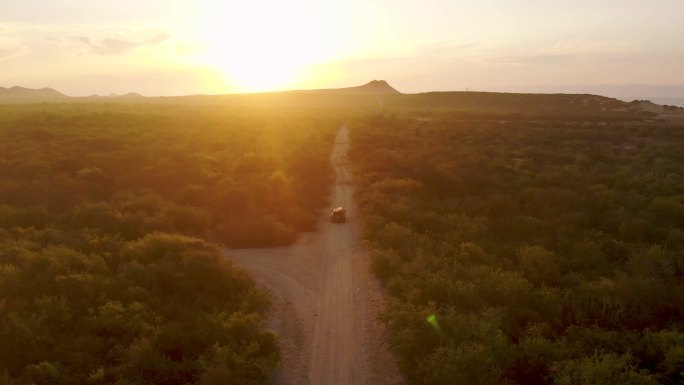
column 521, row 239
column 526, row 252
column 108, row 219
column 239, row 178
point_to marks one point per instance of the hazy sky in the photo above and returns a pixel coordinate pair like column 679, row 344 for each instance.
column 169, row 47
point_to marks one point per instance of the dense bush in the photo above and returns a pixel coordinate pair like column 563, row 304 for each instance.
column 521, row 252
column 238, row 177
column 106, row 276
column 165, row 309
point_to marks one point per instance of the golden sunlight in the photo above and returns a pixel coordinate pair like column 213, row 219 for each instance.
column 266, row 45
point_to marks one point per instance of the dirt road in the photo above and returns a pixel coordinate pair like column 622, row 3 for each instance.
column 326, row 299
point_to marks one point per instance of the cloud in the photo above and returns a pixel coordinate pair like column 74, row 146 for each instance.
column 119, row 46
column 563, row 52
column 573, row 46
column 457, row 49
column 439, row 51
column 542, row 59
column 10, row 50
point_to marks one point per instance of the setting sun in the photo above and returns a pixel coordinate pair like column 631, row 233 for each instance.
column 266, row 45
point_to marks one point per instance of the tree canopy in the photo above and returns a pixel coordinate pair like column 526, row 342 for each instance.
column 110, row 221
column 520, row 251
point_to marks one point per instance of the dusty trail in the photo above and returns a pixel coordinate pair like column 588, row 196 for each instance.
column 326, row 299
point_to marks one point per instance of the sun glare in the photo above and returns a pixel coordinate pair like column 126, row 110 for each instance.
column 265, row 45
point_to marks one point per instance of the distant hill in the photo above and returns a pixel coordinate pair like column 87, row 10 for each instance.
column 30, row 93
column 375, row 87
column 508, row 102
column 22, row 94
column 663, row 101
column 378, row 94
column 131, row 95
column 474, row 104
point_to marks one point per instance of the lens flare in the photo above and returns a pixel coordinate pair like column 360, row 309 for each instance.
column 432, row 320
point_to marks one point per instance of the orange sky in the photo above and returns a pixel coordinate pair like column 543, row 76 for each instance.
column 208, row 46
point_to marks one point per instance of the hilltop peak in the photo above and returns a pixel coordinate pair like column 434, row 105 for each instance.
column 377, row 83
column 374, row 87
column 379, row 87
